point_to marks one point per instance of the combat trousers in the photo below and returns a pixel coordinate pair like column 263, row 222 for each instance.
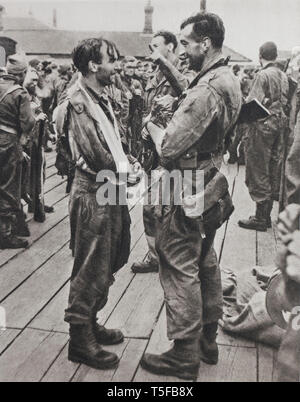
column 100, row 241
column 189, row 274
column 10, row 180
column 264, row 157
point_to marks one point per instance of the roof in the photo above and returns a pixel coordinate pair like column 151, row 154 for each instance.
column 50, row 41
column 62, row 42
column 24, row 23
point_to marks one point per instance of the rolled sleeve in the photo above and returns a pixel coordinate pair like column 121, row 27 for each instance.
column 198, row 110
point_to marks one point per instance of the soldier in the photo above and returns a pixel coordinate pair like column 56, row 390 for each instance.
column 16, row 122
column 133, row 90
column 163, row 47
column 194, row 140
column 264, row 137
column 61, row 84
column 100, row 234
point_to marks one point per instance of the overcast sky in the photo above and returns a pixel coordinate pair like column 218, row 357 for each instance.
column 248, row 23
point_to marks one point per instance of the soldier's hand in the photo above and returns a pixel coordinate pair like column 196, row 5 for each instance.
column 41, row 117
column 293, row 259
column 288, row 222
column 165, row 102
column 156, row 56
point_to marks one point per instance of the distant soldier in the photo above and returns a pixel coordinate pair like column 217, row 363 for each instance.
column 16, row 122
column 62, row 83
column 134, row 92
column 271, row 88
column 167, row 81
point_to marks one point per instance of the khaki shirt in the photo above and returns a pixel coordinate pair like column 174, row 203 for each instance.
column 208, row 109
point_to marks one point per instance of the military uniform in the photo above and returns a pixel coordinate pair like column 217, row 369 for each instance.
column 100, row 234
column 158, row 87
column 16, row 119
column 189, row 268
column 264, row 145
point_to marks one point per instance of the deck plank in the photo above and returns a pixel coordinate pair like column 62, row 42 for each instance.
column 7, row 336
column 238, row 239
column 29, row 357
column 25, row 303
column 137, row 310
column 62, row 370
column 18, row 269
column 236, row 364
column 266, row 363
column 37, row 231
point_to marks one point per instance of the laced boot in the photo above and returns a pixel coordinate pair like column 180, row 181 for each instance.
column 84, row 349
column 106, row 336
column 182, row 361
column 259, row 221
column 209, row 351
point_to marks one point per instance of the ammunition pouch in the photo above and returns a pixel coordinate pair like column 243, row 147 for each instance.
column 213, row 206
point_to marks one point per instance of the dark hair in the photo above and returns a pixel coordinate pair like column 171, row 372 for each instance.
column 207, row 24
column 268, row 51
column 169, row 37
column 90, row 50
column 34, row 63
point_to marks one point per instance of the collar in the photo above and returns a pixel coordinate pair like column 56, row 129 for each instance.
column 271, row 64
column 217, row 61
column 96, row 96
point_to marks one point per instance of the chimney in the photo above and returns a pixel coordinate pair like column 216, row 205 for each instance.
column 203, row 6
column 2, row 9
column 148, row 29
column 54, row 18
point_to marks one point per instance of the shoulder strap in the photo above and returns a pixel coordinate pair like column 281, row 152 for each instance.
column 9, row 91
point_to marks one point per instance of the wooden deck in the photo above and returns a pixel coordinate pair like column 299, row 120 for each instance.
column 34, row 289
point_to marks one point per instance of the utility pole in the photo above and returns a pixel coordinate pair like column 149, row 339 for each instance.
column 203, row 6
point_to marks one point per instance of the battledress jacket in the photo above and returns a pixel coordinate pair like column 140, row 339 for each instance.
column 16, row 119
column 93, row 227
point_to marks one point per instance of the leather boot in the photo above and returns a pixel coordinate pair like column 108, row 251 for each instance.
column 20, row 226
column 144, row 267
column 7, row 239
column 259, row 221
column 12, row 242
column 182, row 361
column 106, row 336
column 84, row 349
column 209, row 351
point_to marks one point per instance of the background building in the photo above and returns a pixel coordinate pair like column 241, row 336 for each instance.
column 37, row 39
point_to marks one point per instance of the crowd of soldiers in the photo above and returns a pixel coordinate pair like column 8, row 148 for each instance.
column 176, row 110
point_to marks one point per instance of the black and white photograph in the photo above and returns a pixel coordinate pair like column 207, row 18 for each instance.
column 150, row 194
